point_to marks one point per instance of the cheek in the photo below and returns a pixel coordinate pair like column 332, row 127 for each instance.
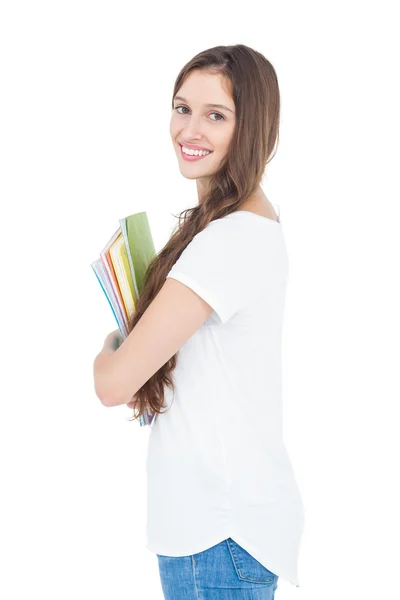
column 221, row 143
column 173, row 126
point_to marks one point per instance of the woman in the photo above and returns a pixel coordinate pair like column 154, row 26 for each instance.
column 224, row 513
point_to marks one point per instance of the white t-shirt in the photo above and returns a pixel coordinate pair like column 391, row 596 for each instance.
column 217, row 466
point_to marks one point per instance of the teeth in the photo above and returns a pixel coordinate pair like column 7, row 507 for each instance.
column 195, row 152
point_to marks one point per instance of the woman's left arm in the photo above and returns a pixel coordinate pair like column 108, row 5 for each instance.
column 172, row 317
column 102, row 361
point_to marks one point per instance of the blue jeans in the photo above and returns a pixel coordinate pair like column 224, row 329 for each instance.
column 225, row 571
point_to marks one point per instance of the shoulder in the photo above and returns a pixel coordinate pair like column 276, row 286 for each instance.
column 243, row 229
column 236, row 238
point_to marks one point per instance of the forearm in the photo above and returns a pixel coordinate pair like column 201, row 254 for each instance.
column 101, row 372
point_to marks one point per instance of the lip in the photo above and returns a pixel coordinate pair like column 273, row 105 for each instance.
column 194, row 146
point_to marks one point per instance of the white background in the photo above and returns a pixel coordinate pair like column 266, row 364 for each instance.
column 85, row 108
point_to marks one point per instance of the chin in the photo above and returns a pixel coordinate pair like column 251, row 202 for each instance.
column 188, row 176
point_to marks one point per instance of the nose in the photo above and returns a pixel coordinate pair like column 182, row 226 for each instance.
column 192, row 129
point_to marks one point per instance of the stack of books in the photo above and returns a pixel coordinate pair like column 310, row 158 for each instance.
column 121, row 269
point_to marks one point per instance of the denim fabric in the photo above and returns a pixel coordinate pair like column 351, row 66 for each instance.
column 225, row 571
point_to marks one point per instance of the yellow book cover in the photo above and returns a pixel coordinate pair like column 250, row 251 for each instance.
column 123, row 274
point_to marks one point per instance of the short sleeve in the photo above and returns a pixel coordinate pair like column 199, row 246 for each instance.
column 221, row 265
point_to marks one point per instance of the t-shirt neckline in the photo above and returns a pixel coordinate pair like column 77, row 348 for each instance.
column 248, row 212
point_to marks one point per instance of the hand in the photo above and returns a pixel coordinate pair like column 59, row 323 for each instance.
column 113, row 340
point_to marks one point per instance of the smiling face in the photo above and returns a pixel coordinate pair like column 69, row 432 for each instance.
column 194, row 123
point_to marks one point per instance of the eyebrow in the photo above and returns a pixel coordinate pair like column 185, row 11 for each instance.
column 211, row 105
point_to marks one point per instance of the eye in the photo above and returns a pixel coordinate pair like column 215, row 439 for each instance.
column 178, row 107
column 222, row 117
column 213, row 113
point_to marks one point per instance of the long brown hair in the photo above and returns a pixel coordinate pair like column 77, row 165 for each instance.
column 255, row 93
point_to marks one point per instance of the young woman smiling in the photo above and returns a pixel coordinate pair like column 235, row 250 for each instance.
column 224, row 513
